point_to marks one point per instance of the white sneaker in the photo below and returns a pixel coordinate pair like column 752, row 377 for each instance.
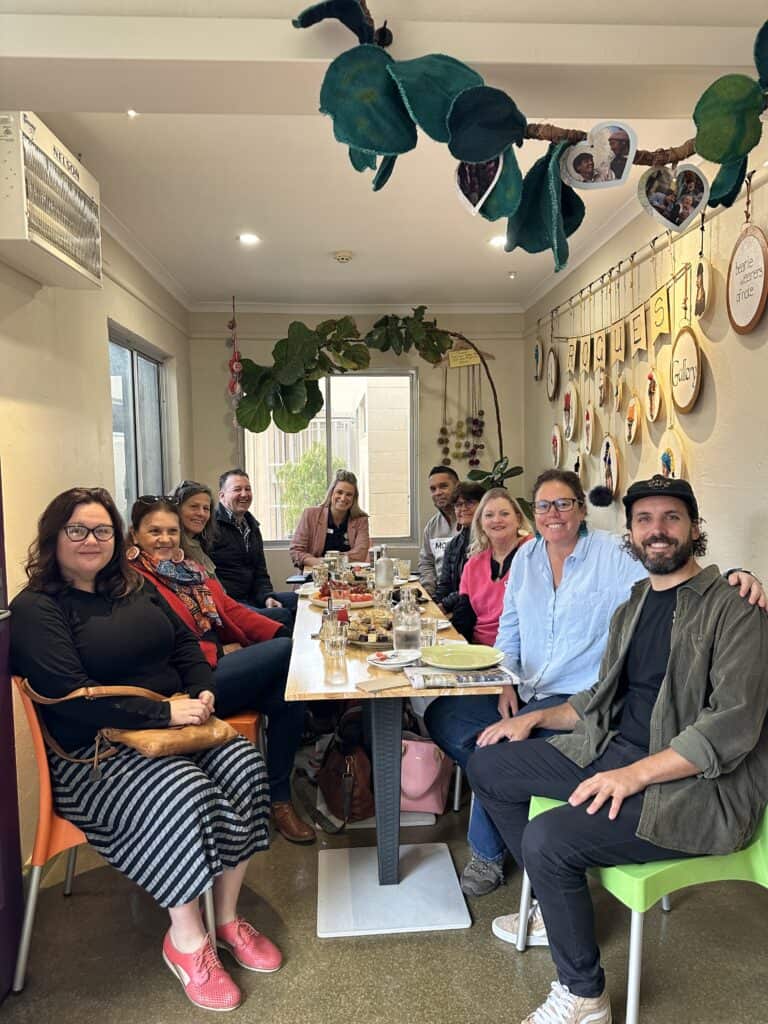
column 505, row 928
column 562, row 1007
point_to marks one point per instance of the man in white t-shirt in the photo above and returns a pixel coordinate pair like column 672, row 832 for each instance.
column 440, row 528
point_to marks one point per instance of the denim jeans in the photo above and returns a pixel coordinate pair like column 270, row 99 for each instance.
column 454, row 723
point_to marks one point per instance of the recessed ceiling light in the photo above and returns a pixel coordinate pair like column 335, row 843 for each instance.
column 132, row 113
column 247, row 238
column 512, row 275
column 498, row 241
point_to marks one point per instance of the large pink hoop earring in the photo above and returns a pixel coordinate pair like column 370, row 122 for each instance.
column 132, row 553
column 177, row 556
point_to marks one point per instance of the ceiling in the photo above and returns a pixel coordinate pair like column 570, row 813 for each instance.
column 229, row 139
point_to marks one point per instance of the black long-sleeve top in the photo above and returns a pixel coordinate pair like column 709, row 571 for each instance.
column 65, row 641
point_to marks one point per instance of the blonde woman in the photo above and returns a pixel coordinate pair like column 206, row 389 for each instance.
column 339, row 524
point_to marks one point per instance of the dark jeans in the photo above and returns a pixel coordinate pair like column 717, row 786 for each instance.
column 556, row 848
column 286, row 615
column 253, row 679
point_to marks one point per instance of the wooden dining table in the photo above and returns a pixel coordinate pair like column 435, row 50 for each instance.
column 314, row 675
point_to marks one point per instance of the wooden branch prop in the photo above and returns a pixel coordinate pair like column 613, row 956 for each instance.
column 644, row 157
column 472, row 345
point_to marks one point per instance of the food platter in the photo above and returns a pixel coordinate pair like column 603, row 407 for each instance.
column 371, row 630
column 353, row 600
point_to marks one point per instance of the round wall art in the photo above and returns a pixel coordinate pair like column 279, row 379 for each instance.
column 570, row 411
column 747, row 280
column 670, row 455
column 609, row 464
column 589, row 426
column 685, row 370
column 553, row 374
column 556, row 442
column 632, row 419
column 652, row 395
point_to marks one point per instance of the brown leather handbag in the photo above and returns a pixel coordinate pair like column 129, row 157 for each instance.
column 345, row 782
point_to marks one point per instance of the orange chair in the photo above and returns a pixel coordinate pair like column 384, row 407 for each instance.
column 53, row 836
column 250, row 725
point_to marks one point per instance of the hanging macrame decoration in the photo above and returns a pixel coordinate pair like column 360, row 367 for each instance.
column 234, row 385
column 464, row 440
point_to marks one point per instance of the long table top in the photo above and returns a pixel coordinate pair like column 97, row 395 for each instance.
column 315, row 676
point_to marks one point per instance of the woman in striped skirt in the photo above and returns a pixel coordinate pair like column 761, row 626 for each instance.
column 174, row 825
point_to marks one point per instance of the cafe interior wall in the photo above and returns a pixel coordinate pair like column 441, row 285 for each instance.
column 216, row 443
column 724, row 436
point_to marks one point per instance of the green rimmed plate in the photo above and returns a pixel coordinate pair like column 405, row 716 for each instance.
column 462, row 657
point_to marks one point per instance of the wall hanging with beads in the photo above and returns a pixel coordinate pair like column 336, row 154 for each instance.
column 464, row 438
column 234, row 385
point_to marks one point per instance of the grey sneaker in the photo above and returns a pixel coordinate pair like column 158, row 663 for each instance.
column 480, row 877
column 505, row 928
column 562, row 1007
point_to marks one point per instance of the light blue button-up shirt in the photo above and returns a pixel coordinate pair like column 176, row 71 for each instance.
column 554, row 638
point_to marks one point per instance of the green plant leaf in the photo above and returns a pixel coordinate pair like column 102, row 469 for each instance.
column 384, row 173
column 365, row 103
column 348, row 12
column 344, row 329
column 761, row 55
column 514, row 471
column 362, row 160
column 478, row 474
column 293, row 397
column 314, row 399
column 258, row 382
column 252, row 415
column 727, row 119
column 504, row 200
column 289, row 422
column 359, row 355
column 429, row 85
column 724, row 190
column 549, row 210
column 295, row 354
column 482, row 123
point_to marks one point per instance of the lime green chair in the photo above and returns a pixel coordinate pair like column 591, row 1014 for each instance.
column 639, row 886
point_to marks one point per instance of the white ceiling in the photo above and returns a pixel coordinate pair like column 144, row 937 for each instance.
column 229, row 139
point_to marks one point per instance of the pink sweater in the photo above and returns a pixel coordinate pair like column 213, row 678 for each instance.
column 486, row 595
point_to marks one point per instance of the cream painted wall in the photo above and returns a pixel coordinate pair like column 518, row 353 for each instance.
column 215, row 441
column 55, row 408
column 725, row 434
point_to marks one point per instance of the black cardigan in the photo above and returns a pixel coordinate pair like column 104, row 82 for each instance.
column 241, row 568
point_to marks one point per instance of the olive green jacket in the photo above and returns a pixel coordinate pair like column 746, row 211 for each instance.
column 711, row 709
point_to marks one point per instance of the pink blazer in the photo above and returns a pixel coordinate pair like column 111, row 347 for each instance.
column 310, row 533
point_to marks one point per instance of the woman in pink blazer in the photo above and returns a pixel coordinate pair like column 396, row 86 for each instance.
column 339, row 524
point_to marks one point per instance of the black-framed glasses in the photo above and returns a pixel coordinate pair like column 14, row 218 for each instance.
column 561, row 504
column 152, row 499
column 78, row 532
column 461, row 503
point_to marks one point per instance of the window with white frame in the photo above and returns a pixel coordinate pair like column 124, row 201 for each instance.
column 137, row 420
column 367, row 424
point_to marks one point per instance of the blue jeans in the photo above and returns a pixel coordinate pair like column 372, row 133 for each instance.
column 286, row 615
column 454, row 723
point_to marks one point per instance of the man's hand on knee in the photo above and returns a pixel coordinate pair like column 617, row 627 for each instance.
column 615, row 785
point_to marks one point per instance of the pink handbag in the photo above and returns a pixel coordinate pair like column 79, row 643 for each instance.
column 425, row 775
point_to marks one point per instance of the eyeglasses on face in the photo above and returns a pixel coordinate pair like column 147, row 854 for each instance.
column 152, row 499
column 78, row 532
column 462, row 503
column 561, row 504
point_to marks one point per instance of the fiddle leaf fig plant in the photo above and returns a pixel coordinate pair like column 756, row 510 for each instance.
column 497, row 476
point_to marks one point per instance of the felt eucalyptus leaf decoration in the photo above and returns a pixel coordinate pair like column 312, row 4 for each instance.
column 348, row 12
column 482, row 123
column 362, row 160
column 365, row 104
column 384, row 172
column 504, row 199
column 724, row 190
column 429, row 86
column 549, row 210
column 727, row 119
column 761, row 55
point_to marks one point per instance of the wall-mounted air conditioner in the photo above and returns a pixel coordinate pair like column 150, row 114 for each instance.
column 49, row 206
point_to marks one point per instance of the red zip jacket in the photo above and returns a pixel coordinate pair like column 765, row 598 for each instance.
column 239, row 625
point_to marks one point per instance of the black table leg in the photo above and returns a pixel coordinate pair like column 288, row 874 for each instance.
column 386, row 735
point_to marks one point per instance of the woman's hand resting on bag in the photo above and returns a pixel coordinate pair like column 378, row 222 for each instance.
column 190, row 710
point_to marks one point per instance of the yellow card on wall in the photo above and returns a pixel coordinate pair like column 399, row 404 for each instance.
column 659, row 313
column 618, row 342
column 462, row 357
column 600, row 350
column 573, row 351
column 638, row 336
column 586, row 353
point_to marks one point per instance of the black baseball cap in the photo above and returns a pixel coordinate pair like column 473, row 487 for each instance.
column 661, row 486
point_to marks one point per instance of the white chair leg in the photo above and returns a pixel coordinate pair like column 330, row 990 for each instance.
column 209, row 914
column 457, row 788
column 70, row 872
column 30, row 906
column 525, row 909
column 635, row 968
column 666, row 906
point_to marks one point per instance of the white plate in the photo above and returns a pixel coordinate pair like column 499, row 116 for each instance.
column 443, row 624
column 306, row 589
column 393, row 660
column 322, row 602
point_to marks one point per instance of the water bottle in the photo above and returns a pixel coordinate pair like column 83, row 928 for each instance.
column 385, row 569
column 406, row 624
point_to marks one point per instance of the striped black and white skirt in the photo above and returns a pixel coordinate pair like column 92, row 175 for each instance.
column 171, row 824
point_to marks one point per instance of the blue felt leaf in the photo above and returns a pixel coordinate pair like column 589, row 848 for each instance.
column 348, row 12
column 362, row 160
column 384, row 172
column 761, row 55
column 504, row 200
column 724, row 190
column 482, row 123
column 429, row 86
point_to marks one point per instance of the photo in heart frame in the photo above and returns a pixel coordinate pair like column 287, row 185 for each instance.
column 676, row 198
column 475, row 182
column 603, row 160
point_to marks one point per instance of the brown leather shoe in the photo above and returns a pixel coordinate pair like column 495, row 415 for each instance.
column 290, row 825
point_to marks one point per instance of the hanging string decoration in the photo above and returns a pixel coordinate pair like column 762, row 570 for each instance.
column 234, row 384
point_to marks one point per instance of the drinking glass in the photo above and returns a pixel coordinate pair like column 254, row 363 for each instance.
column 336, row 639
column 428, row 637
column 404, row 568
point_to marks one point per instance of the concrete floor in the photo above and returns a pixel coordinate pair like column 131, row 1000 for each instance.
column 96, row 956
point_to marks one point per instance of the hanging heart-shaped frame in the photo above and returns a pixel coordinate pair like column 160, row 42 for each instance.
column 674, row 199
column 475, row 182
column 603, row 160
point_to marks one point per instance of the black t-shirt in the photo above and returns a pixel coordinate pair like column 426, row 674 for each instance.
column 646, row 665
column 336, row 538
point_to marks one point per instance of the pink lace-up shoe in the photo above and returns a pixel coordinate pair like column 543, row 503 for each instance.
column 204, row 980
column 250, row 948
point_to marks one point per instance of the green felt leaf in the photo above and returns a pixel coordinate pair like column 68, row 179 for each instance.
column 727, row 119
column 429, row 86
column 724, row 190
column 253, row 416
column 362, row 160
column 505, row 198
column 365, row 104
column 549, row 210
column 384, row 172
column 294, row 354
column 482, row 123
column 348, row 12
column 761, row 55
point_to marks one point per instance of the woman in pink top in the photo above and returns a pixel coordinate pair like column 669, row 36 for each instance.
column 498, row 529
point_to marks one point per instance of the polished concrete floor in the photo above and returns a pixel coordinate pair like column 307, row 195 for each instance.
column 96, row 955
